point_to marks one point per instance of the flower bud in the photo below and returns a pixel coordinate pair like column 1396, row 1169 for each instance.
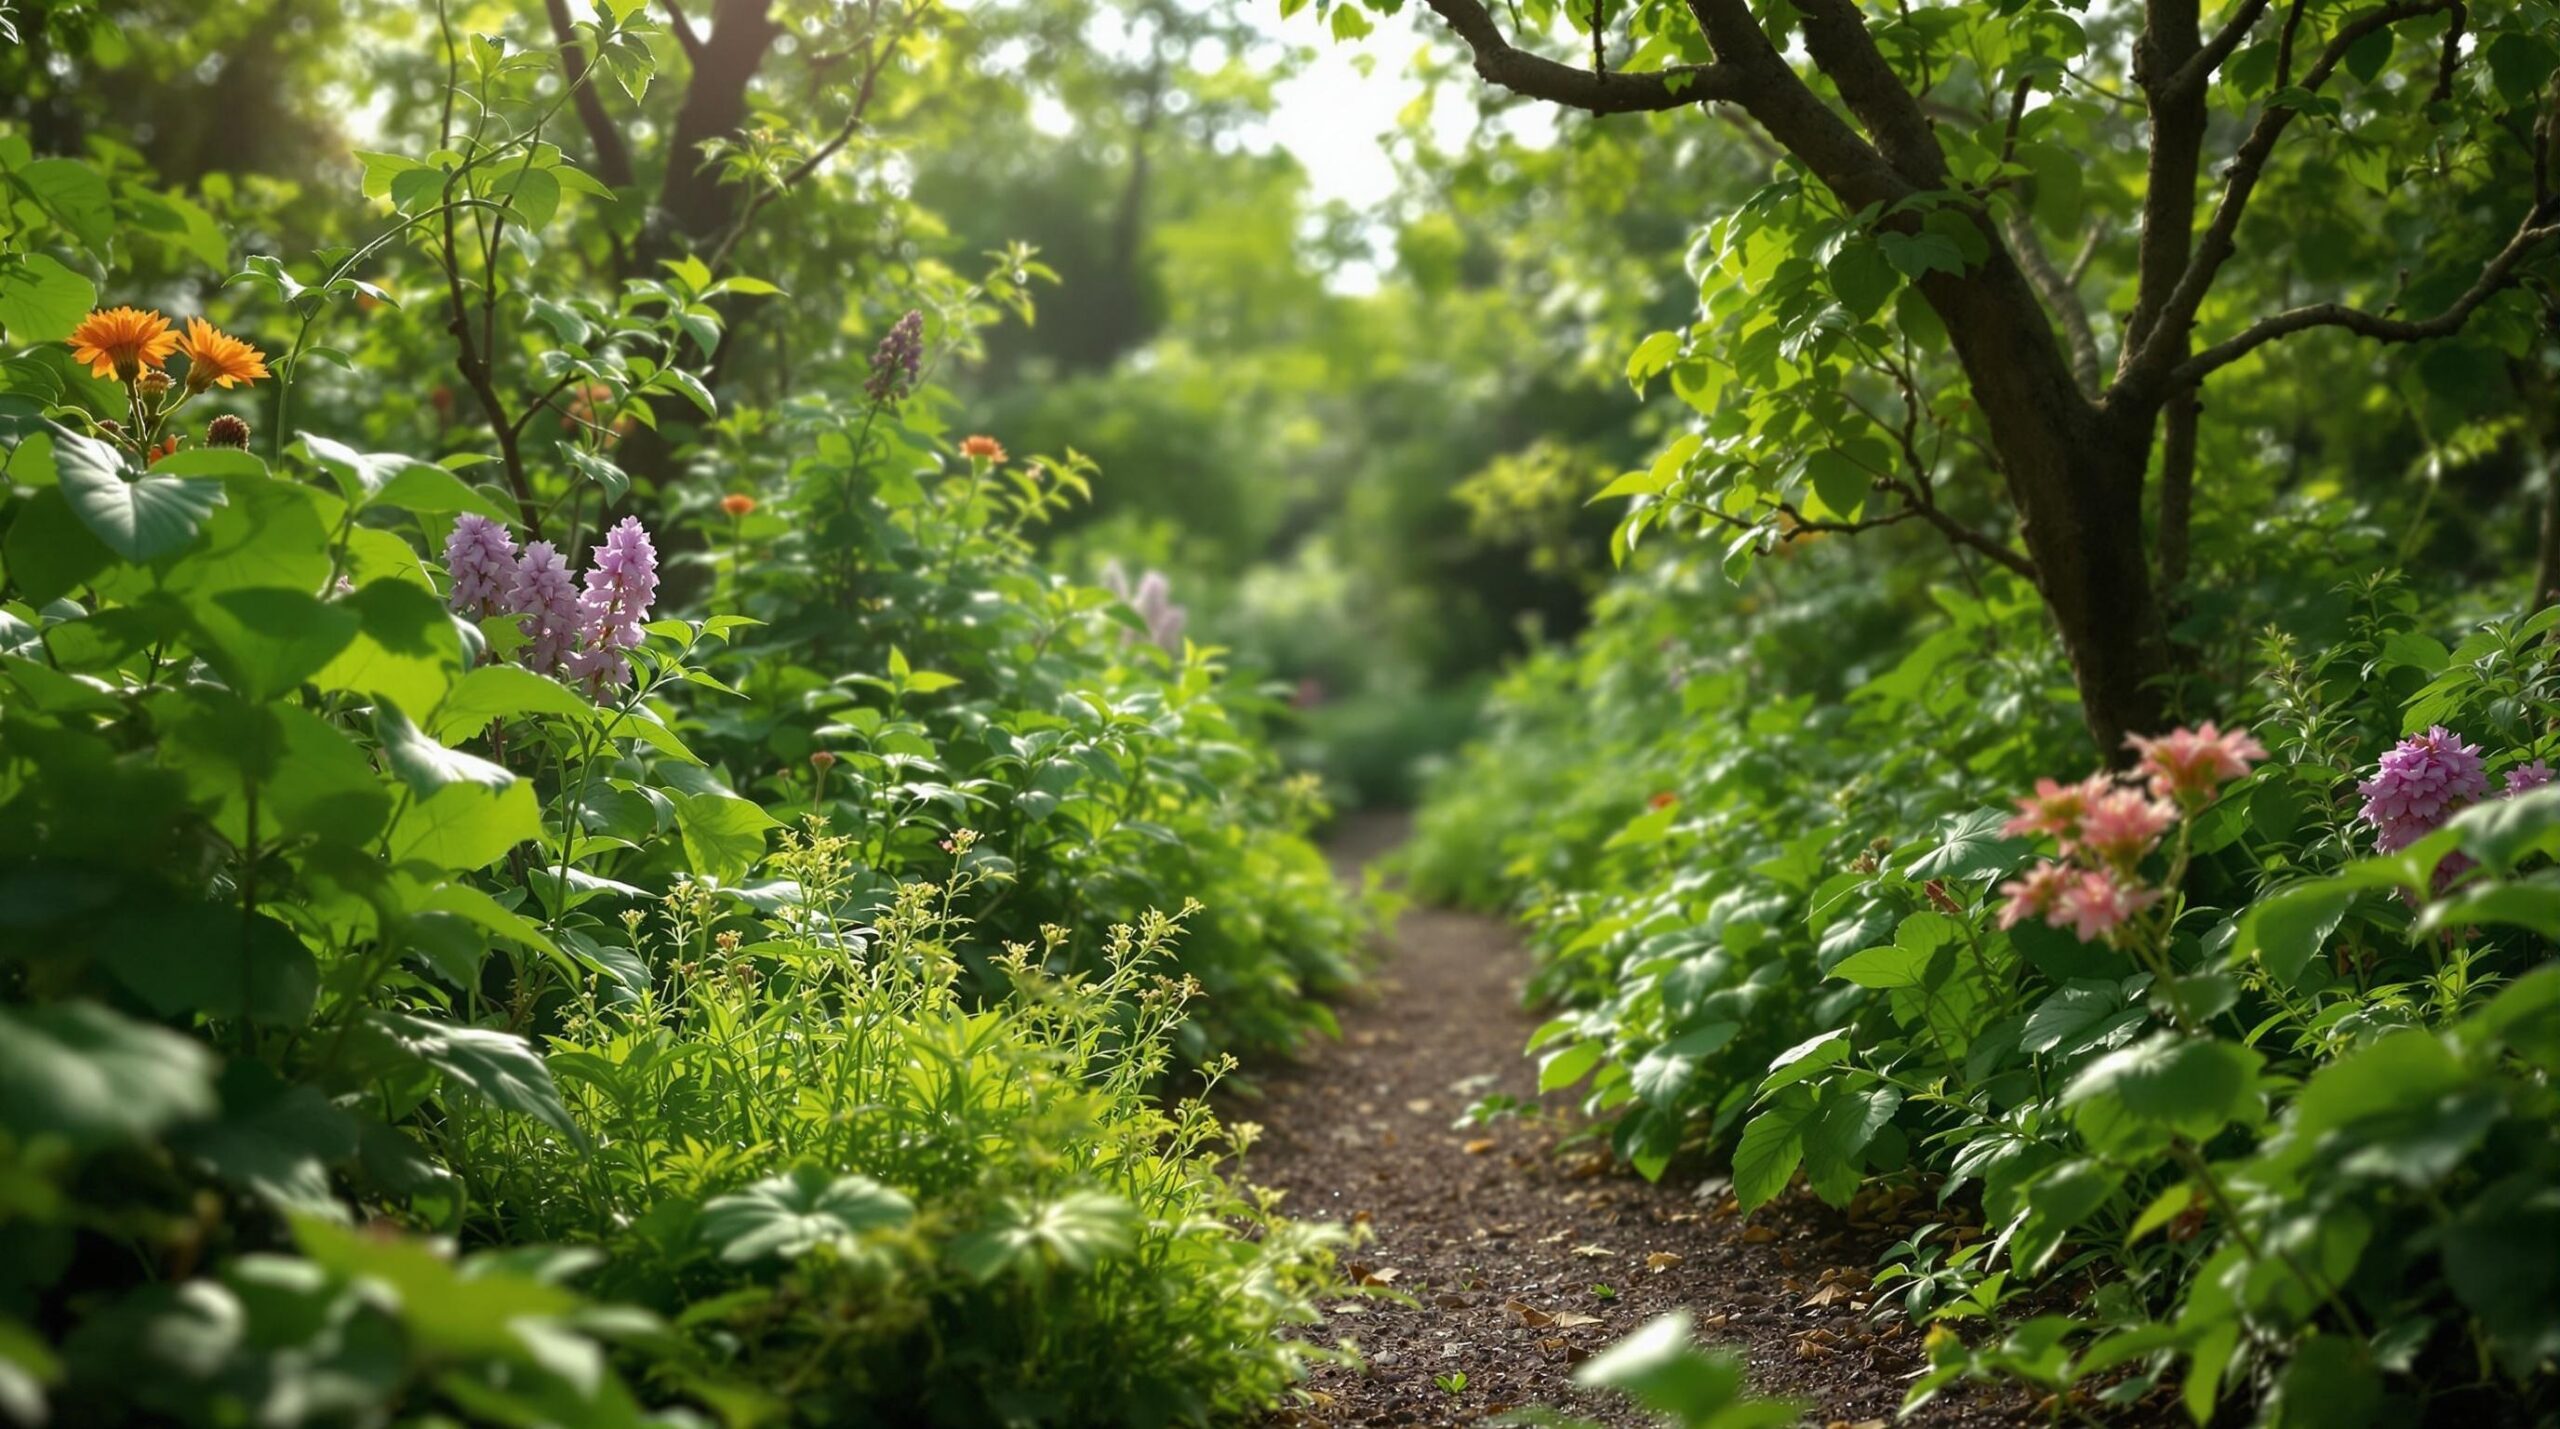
column 227, row 431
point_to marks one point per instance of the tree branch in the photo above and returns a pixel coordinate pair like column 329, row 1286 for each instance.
column 1498, row 62
column 2061, row 294
column 2499, row 272
column 1836, row 35
column 2200, row 66
column 682, row 28
column 2152, row 359
column 613, row 156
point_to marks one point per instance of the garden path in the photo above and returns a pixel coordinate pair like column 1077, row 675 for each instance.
column 1504, row 1236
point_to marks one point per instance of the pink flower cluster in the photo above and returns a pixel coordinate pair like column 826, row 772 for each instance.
column 584, row 634
column 2106, row 827
column 1153, row 600
column 2427, row 779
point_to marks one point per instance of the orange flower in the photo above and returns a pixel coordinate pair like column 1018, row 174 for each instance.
column 737, row 503
column 217, row 359
column 168, row 447
column 986, row 449
column 120, row 342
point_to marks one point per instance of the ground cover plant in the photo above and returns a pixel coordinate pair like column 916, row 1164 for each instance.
column 639, row 901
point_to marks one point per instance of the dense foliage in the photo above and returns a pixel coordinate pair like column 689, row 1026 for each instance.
column 625, row 892
column 2263, row 1107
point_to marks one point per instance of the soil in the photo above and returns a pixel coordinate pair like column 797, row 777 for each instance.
column 1510, row 1252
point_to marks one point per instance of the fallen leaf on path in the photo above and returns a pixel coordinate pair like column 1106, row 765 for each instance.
column 1758, row 1235
column 1528, row 1314
column 1481, row 1145
column 1594, row 1251
column 1568, row 1319
column 1661, row 1260
column 1419, row 1106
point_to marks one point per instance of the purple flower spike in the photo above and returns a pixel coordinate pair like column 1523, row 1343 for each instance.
column 621, row 587
column 898, row 361
column 481, row 558
column 545, row 595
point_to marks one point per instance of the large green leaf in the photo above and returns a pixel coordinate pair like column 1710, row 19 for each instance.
column 265, row 641
column 425, row 765
column 789, row 1216
column 1030, row 1239
column 408, row 650
column 40, row 300
column 96, row 1078
column 275, row 1139
column 2190, row 1085
column 723, row 836
column 500, row 1067
column 1772, row 1144
column 202, row 957
column 464, row 826
column 139, row 517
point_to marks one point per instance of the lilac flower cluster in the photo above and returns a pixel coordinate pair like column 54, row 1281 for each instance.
column 898, row 360
column 2422, row 782
column 1153, row 600
column 583, row 634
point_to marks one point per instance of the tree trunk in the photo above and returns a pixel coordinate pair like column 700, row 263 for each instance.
column 2075, row 473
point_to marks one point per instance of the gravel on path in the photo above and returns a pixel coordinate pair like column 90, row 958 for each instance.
column 1509, row 1253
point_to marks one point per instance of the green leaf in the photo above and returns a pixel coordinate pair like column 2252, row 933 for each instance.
column 495, row 692
column 367, row 476
column 1894, row 966
column 1970, row 846
column 789, row 1216
column 265, row 642
column 1861, row 277
column 2193, row 1086
column 2287, row 929
column 200, row 957
column 499, row 1067
column 141, row 519
column 465, row 826
column 274, row 1139
column 1567, row 1065
column 1805, row 1059
column 406, row 650
column 1839, row 481
column 1772, row 1144
column 427, row 489
column 40, row 300
column 427, row 766
column 49, row 551
column 1661, row 1369
column 76, row 195
column 1031, row 1239
column 2058, row 1201
column 723, row 836
column 96, row 1078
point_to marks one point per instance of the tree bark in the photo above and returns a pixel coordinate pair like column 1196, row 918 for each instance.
column 692, row 201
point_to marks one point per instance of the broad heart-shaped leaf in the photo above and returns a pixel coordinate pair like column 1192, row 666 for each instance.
column 95, row 1077
column 140, row 519
column 1771, row 1146
column 40, row 300
column 407, row 650
column 50, row 552
column 202, row 957
column 465, row 826
column 364, row 476
column 500, row 1067
column 275, row 1139
column 307, row 778
column 2288, row 928
column 723, row 837
column 1970, row 846
column 494, row 692
column 789, row 1216
column 1031, row 1238
column 76, row 195
column 265, row 642
column 426, row 766
column 2190, row 1085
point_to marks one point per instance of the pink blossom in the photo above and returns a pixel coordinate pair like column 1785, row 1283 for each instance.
column 2055, row 808
column 547, row 598
column 2121, row 825
column 2094, row 905
column 2035, row 895
column 2190, row 764
column 2419, row 784
column 2526, row 777
column 481, row 558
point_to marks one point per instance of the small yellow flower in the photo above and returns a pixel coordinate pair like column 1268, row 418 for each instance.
column 217, row 359
column 120, row 342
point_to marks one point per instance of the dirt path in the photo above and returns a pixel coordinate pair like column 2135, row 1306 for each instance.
column 1505, row 1240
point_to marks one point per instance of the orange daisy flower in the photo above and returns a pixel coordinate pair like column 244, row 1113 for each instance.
column 217, row 359
column 987, row 449
column 737, row 503
column 120, row 342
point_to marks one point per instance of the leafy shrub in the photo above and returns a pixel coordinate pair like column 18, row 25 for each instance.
column 2262, row 1115
column 400, row 983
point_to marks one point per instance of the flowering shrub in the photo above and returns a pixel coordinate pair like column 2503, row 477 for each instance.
column 500, row 924
column 2235, row 1064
